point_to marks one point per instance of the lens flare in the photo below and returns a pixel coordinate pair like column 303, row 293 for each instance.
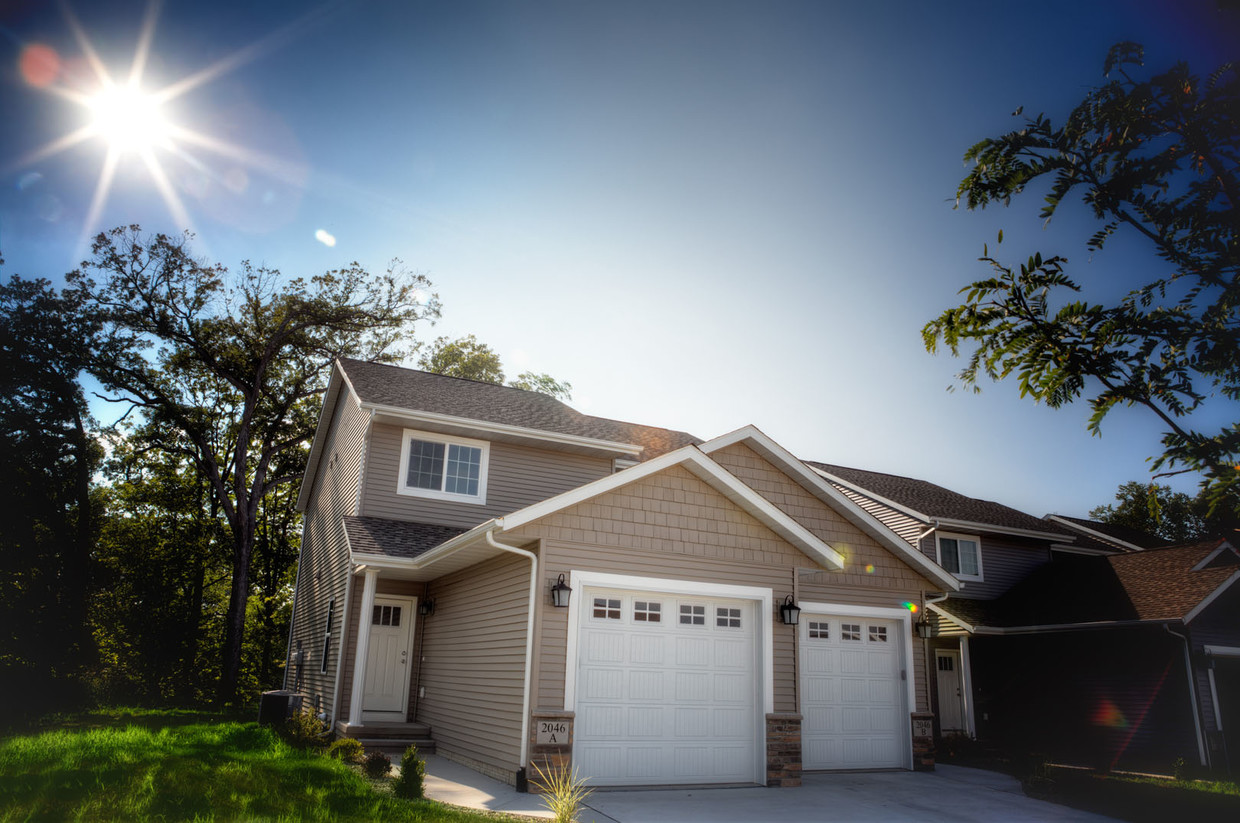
column 910, row 605
column 128, row 119
column 326, row 238
column 869, row 568
column 39, row 65
column 1106, row 713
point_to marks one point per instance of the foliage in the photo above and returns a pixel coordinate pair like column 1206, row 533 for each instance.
column 409, row 784
column 1155, row 509
column 203, row 770
column 376, row 765
column 226, row 368
column 50, row 454
column 563, row 790
column 303, row 731
column 543, row 384
column 347, row 749
column 465, row 358
column 1156, row 158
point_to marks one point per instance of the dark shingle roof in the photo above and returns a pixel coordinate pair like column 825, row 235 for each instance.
column 1134, row 537
column 936, row 501
column 422, row 391
column 1156, row 584
column 395, row 538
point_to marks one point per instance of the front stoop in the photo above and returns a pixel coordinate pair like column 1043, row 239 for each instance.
column 783, row 749
column 394, row 737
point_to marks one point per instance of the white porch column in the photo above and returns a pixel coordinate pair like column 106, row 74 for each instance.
column 966, row 683
column 362, row 646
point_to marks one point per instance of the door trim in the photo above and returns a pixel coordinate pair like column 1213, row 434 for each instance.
column 409, row 605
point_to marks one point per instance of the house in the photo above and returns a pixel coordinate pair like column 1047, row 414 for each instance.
column 1088, row 642
column 489, row 570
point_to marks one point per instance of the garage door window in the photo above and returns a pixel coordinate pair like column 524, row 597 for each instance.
column 850, row 632
column 819, row 631
column 693, row 615
column 878, row 634
column 606, row 608
column 645, row 611
column 727, row 618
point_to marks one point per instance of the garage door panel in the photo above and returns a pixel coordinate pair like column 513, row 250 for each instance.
column 693, row 651
column 646, row 685
column 692, row 722
column 644, row 762
column 853, row 661
column 734, row 654
column 692, row 687
column 647, row 648
column 603, row 684
column 732, row 688
column 644, row 721
column 602, row 722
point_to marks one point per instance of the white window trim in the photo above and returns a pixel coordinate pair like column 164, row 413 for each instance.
column 402, row 471
column 938, row 553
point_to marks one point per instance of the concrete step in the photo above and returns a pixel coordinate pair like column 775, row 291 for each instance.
column 397, row 744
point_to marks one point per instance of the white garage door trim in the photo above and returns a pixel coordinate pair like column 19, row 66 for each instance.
column 762, row 598
column 905, row 622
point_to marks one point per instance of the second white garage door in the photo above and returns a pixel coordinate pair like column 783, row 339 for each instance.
column 667, row 691
column 854, row 697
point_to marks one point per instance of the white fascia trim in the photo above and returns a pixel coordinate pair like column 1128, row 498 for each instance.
column 709, row 472
column 330, row 400
column 905, row 618
column 950, row 618
column 1106, row 538
column 427, row 558
column 1223, row 651
column 988, row 527
column 891, row 504
column 1188, row 618
column 765, row 628
column 1072, row 627
column 504, row 428
column 1059, row 547
column 856, row 515
column 1209, row 558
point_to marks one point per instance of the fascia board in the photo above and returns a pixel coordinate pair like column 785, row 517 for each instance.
column 1205, row 603
column 1215, row 552
column 1106, row 538
column 856, row 515
column 709, row 472
column 1049, row 627
column 330, row 399
column 503, row 428
column 1222, row 651
column 972, row 526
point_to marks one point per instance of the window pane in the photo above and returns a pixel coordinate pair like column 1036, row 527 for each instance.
column 425, row 465
column 464, row 464
column 949, row 554
column 968, row 557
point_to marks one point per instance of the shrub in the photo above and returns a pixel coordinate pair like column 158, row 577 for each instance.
column 412, row 774
column 377, row 764
column 347, row 749
column 564, row 792
column 303, row 731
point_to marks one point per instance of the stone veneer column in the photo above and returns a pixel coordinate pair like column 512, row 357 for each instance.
column 923, row 741
column 551, row 743
column 783, row 749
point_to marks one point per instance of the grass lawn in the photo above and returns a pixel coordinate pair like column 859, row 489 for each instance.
column 148, row 766
column 1139, row 799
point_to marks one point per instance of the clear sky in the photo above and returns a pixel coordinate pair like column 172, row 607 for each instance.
column 701, row 214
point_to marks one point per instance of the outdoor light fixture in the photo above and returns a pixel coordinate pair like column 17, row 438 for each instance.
column 426, row 607
column 925, row 629
column 560, row 592
column 790, row 612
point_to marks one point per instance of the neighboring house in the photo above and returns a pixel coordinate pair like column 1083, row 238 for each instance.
column 444, row 518
column 1079, row 639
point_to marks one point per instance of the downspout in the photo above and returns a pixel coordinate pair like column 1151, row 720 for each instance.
column 1192, row 693
column 529, row 641
column 292, row 621
column 344, row 638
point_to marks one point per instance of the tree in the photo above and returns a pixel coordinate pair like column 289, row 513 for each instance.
column 1156, row 158
column 1155, row 509
column 465, row 358
column 227, row 367
column 543, row 384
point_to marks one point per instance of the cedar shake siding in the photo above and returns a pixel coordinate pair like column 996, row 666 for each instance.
column 324, row 558
column 473, row 663
column 674, row 526
column 517, row 476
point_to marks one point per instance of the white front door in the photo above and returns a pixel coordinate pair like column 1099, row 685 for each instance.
column 667, row 689
column 388, row 657
column 854, row 696
column 947, row 672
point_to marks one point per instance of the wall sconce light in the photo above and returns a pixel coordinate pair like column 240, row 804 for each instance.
column 790, row 612
column 925, row 629
column 426, row 607
column 559, row 593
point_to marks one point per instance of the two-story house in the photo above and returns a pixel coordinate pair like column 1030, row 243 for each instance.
column 1090, row 643
column 519, row 583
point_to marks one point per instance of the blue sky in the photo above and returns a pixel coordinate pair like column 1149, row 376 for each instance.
column 702, row 214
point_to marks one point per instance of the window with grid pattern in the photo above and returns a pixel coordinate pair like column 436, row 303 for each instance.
column 443, row 467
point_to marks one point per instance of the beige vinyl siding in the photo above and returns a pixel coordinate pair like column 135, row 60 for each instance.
column 517, row 477
column 324, row 558
column 907, row 527
column 473, row 662
column 673, row 525
column 402, row 588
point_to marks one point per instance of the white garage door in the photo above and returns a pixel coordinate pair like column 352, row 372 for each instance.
column 666, row 690
column 853, row 699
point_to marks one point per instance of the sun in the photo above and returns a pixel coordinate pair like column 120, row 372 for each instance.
column 128, row 119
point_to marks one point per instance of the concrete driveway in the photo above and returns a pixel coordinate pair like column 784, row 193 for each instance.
column 950, row 794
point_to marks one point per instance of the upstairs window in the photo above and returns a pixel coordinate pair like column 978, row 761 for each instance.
column 961, row 555
column 443, row 467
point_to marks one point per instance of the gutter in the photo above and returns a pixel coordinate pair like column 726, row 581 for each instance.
column 529, row 640
column 1192, row 692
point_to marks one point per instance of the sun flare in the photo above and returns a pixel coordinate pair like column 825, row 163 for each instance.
column 128, row 119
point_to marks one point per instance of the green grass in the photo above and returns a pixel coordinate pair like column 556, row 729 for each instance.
column 1139, row 799
column 172, row 767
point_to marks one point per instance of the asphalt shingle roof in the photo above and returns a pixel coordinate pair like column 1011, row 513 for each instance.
column 1134, row 537
column 1156, row 584
column 936, row 501
column 395, row 538
column 422, row 391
